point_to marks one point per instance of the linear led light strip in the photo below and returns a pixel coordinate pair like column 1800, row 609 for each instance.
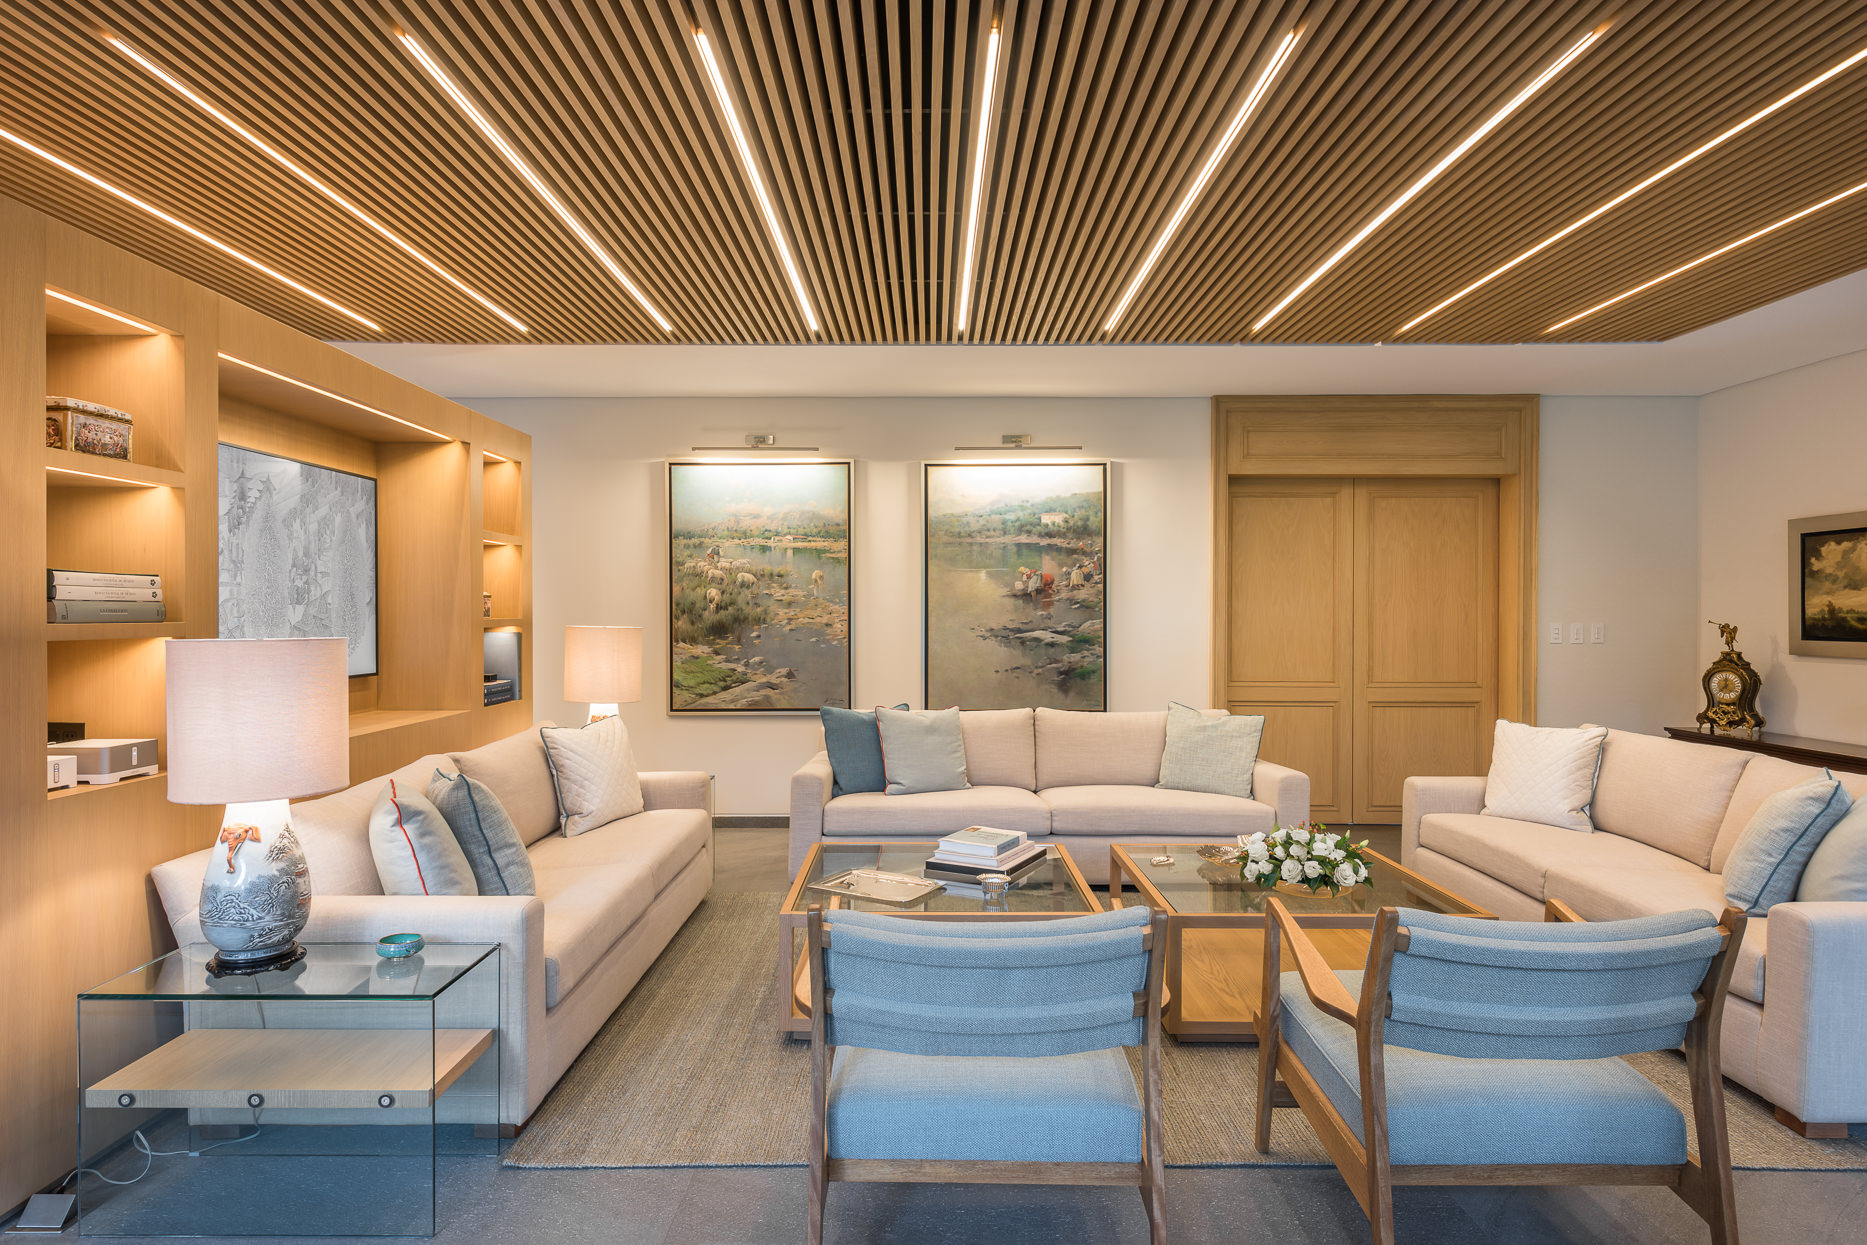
column 305, row 175
column 524, row 170
column 978, row 178
column 758, row 183
column 1431, row 175
column 119, row 317
column 92, row 475
column 335, row 397
column 1631, row 191
column 1708, row 256
column 1245, row 110
column 186, row 228
column 498, row 458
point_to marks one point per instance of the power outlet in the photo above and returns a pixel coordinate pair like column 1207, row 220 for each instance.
column 1575, row 633
column 1555, row 633
column 1598, row 633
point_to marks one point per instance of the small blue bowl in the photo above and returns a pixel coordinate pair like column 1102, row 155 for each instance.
column 398, row 946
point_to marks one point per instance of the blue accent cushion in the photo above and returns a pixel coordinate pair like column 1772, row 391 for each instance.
column 1766, row 865
column 486, row 834
column 1442, row 1109
column 1214, row 755
column 1837, row 872
column 1080, row 1108
column 922, row 751
column 855, row 748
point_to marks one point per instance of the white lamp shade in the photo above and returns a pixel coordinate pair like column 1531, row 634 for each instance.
column 603, row 665
column 257, row 719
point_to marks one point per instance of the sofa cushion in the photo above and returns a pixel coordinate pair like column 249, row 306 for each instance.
column 660, row 842
column 486, row 834
column 1543, row 773
column 334, row 830
column 1767, row 863
column 1747, row 973
column 415, row 850
column 1764, row 777
column 593, row 773
column 1521, row 853
column 934, row 813
column 1618, row 894
column 1001, row 747
column 1203, row 753
column 1079, row 749
column 516, row 771
column 1153, row 812
column 1667, row 793
column 1838, row 870
column 922, row 751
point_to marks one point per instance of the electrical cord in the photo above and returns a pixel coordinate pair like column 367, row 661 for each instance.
column 150, row 1156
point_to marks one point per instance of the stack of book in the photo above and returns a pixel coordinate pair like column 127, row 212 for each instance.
column 970, row 854
column 100, row 596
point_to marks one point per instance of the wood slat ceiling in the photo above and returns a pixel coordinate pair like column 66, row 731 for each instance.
column 861, row 114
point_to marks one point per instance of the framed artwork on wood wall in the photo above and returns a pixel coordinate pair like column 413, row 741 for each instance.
column 758, row 586
column 1828, row 585
column 1015, row 572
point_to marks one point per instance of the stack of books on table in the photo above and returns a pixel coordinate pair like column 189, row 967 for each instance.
column 102, row 596
column 970, row 854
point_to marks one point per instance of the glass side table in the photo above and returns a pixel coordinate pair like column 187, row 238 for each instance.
column 307, row 1102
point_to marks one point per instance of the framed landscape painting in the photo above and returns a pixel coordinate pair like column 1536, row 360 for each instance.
column 1828, row 585
column 1014, row 594
column 758, row 576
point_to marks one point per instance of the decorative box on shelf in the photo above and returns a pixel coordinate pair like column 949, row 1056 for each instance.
column 88, row 427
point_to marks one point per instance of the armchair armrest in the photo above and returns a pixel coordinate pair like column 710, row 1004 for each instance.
column 1421, row 796
column 1812, row 1060
column 810, row 793
column 1325, row 989
column 1284, row 789
column 678, row 788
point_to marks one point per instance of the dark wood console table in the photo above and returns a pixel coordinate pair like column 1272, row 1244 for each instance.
column 1804, row 751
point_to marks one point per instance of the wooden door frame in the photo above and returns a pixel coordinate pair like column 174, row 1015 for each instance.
column 1487, row 436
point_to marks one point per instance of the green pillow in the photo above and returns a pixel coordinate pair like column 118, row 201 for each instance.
column 854, row 743
column 1767, row 864
column 922, row 751
column 1215, row 755
column 1837, row 872
column 486, row 834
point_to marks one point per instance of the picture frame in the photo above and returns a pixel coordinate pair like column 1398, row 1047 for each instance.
column 1014, row 584
column 760, row 561
column 1828, row 585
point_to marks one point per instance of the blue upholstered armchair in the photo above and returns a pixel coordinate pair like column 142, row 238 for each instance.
column 985, row 1052
column 1486, row 1052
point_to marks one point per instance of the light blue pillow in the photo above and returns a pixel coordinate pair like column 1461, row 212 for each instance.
column 1837, row 872
column 1210, row 754
column 1766, row 865
column 486, row 834
column 922, row 751
column 854, row 743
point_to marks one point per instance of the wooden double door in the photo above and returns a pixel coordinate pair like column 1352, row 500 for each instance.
column 1363, row 625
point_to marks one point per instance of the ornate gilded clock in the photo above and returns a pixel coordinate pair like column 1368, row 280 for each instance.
column 1731, row 688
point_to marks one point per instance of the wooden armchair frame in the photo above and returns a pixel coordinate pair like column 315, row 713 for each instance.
column 1703, row 1181
column 1149, row 1175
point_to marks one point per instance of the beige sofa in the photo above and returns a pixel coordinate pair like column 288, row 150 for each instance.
column 1083, row 779
column 1666, row 815
column 608, row 900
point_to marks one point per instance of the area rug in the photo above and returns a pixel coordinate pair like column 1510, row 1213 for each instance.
column 691, row 1071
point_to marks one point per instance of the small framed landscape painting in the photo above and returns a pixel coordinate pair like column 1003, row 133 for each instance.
column 1015, row 579
column 1828, row 585
column 758, row 577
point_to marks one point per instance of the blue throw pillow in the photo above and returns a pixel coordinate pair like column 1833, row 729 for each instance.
column 1767, row 864
column 1837, row 872
column 855, row 748
column 486, row 834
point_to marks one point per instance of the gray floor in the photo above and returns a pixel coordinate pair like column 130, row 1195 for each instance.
column 482, row 1201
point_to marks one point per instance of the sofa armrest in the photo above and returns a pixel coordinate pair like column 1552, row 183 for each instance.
column 515, row 922
column 678, row 788
column 1284, row 789
column 1812, row 1061
column 810, row 793
column 1420, row 796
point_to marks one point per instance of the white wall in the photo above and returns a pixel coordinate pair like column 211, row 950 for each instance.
column 1784, row 447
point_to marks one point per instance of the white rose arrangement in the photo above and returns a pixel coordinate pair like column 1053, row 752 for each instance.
column 1305, row 854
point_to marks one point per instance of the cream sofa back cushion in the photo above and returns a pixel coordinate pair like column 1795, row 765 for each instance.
column 515, row 770
column 1079, row 749
column 1763, row 778
column 1544, row 774
column 334, row 830
column 1001, row 747
column 1666, row 793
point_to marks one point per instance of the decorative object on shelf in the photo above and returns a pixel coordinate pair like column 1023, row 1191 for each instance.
column 759, row 574
column 100, row 762
column 1014, row 585
column 502, row 667
column 253, row 724
column 297, row 553
column 399, row 946
column 54, row 431
column 1305, row 855
column 1731, row 688
column 89, row 427
column 486, row 605
column 603, row 668
column 1828, row 585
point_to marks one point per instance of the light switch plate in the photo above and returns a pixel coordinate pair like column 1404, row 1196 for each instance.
column 1575, row 633
column 1598, row 633
column 1555, row 633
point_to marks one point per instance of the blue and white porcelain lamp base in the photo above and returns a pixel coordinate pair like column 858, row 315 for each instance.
column 256, row 893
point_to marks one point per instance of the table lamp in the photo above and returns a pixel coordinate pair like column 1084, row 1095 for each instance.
column 603, row 667
column 252, row 724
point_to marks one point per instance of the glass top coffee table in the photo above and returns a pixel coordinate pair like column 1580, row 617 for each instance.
column 1053, row 889
column 1215, row 927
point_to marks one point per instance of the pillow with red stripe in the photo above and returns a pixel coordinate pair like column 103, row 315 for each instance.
column 416, row 852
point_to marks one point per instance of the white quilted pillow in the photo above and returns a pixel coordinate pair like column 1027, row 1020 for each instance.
column 593, row 769
column 1544, row 774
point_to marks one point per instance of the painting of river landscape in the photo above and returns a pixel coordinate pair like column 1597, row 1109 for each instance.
column 1016, row 612
column 1829, row 585
column 759, row 580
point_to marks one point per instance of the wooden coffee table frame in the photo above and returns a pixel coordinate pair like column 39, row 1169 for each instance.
column 794, row 964
column 1215, row 960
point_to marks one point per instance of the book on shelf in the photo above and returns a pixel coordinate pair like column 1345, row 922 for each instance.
column 1027, row 856
column 982, row 843
column 105, row 611
column 56, row 579
column 74, row 592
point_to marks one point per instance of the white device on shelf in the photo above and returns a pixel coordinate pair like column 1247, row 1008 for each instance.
column 61, row 771
column 108, row 760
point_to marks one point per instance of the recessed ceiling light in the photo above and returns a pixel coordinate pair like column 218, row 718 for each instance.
column 305, row 175
column 94, row 309
column 1631, row 191
column 1245, row 110
column 1431, row 175
column 525, row 170
column 1708, row 256
column 186, row 228
column 335, row 397
column 978, row 178
column 725, row 99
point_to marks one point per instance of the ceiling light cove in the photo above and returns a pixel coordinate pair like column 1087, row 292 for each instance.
column 519, row 165
column 1259, row 90
column 1431, row 175
column 725, row 99
column 987, row 91
column 186, row 228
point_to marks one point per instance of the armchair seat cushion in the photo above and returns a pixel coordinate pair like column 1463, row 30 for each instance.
column 865, row 814
column 1442, row 1109
column 1521, row 854
column 1153, row 812
column 1055, row 1109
